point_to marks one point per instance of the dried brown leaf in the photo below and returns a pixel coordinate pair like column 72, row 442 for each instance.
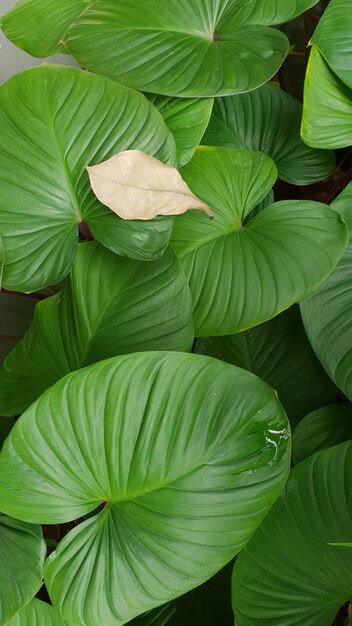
column 136, row 186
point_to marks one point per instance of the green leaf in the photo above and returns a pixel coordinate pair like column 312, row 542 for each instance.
column 37, row 613
column 322, row 429
column 194, row 48
column 207, row 605
column 110, row 305
column 278, row 11
column 54, row 121
column 289, row 575
column 279, row 353
column 333, row 39
column 22, row 557
column 268, row 120
column 327, row 109
column 186, row 454
column 242, row 274
column 187, row 119
column 37, row 26
column 326, row 313
column 16, row 312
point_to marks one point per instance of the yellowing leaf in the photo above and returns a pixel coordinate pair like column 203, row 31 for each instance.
column 136, row 186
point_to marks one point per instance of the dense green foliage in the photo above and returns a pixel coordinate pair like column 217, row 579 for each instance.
column 175, row 392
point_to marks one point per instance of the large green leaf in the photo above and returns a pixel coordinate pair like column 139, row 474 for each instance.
column 327, row 110
column 326, row 313
column 333, row 38
column 279, row 353
column 269, row 120
column 22, row 554
column 110, row 305
column 37, row 613
column 54, row 121
column 16, row 312
column 185, row 453
column 289, row 575
column 242, row 274
column 38, row 26
column 179, row 48
column 193, row 48
column 187, row 118
column 207, row 605
column 322, row 429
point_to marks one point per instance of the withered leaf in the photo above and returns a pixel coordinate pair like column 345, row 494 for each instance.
column 136, row 186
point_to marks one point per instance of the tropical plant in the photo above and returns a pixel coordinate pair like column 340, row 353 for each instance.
column 176, row 262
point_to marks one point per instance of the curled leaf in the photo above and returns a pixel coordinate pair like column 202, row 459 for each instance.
column 136, row 186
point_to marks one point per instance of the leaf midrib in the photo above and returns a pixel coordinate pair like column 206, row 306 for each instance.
column 61, row 156
column 94, row 328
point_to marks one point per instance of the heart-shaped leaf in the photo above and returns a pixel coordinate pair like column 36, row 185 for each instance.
column 206, row 605
column 37, row 613
column 110, row 305
column 322, row 429
column 326, row 313
column 54, row 121
column 269, row 120
column 333, row 39
column 193, row 48
column 289, row 574
column 279, row 353
column 185, row 453
column 39, row 26
column 136, row 186
column 327, row 111
column 22, row 557
column 187, row 118
column 242, row 274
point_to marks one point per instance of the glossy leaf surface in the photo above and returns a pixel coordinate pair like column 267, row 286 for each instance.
column 326, row 313
column 187, row 118
column 322, row 429
column 243, row 274
column 333, row 39
column 289, row 575
column 193, row 48
column 279, row 353
column 38, row 613
column 206, row 605
column 327, row 111
column 22, row 557
column 54, row 121
column 186, row 454
column 278, row 11
column 38, row 26
column 268, row 120
column 110, row 305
